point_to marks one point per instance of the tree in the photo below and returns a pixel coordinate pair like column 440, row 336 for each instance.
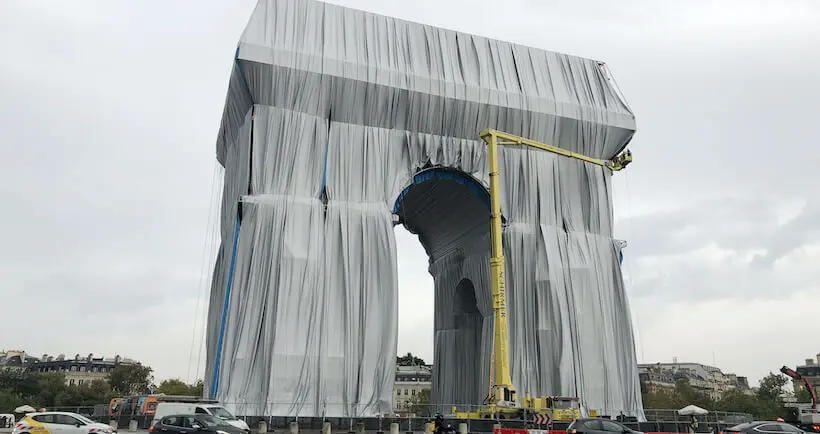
column 802, row 395
column 771, row 387
column 48, row 389
column 198, row 389
column 176, row 386
column 738, row 401
column 87, row 394
column 130, row 379
column 409, row 360
column 765, row 404
column 420, row 404
column 681, row 395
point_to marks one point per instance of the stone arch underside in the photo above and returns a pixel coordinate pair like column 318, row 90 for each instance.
column 451, row 217
column 320, row 135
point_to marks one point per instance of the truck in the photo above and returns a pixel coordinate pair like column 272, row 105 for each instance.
column 807, row 416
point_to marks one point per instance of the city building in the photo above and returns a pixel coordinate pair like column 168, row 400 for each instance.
column 15, row 359
column 78, row 370
column 410, row 382
column 707, row 379
column 811, row 370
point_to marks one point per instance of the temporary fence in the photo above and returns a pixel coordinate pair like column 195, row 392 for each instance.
column 714, row 417
column 413, row 417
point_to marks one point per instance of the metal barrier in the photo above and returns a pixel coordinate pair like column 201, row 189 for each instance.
column 716, row 417
column 415, row 417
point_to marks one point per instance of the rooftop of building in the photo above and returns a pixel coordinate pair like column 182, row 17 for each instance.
column 690, row 370
column 16, row 358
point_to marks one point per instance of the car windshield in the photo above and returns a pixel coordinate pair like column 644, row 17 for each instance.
column 221, row 413
column 739, row 428
column 84, row 419
column 210, row 421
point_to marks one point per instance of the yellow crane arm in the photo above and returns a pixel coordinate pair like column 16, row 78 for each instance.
column 503, row 391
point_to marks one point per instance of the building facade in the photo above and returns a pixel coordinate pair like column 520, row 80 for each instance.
column 411, row 382
column 811, row 370
column 708, row 380
column 77, row 370
column 15, row 359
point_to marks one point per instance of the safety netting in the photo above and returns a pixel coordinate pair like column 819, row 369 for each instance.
column 340, row 124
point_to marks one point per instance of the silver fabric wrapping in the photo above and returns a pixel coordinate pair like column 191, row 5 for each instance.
column 331, row 119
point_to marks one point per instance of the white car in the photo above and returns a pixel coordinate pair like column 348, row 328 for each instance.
column 59, row 422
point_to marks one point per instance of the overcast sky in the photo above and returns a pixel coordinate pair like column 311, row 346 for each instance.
column 109, row 112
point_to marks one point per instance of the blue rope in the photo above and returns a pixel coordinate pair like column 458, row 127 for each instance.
column 324, row 170
column 215, row 379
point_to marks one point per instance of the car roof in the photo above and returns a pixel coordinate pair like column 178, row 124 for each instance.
column 51, row 412
column 184, row 415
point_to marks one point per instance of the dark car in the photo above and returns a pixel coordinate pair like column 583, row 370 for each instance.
column 194, row 423
column 598, row 426
column 764, row 428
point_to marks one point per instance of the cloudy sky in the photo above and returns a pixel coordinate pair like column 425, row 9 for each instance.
column 109, row 112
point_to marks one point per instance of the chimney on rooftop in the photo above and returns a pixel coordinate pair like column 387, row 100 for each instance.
column 809, row 362
column 818, row 357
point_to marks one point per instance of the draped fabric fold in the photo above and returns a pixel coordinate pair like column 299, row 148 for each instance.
column 339, row 124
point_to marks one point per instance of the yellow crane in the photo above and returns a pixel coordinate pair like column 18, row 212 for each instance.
column 503, row 403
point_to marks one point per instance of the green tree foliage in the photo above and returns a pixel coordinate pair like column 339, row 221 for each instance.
column 131, row 379
column 803, row 395
column 765, row 404
column 176, row 386
column 49, row 389
column 409, row 360
column 420, row 404
column 771, row 387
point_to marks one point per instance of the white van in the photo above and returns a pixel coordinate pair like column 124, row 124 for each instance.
column 216, row 410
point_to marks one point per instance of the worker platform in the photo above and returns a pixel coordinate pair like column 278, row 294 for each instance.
column 339, row 124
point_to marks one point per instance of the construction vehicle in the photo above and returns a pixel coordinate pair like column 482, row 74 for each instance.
column 502, row 402
column 808, row 417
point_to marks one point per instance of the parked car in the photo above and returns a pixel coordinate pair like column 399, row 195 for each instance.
column 598, row 426
column 763, row 427
column 59, row 422
column 169, row 408
column 193, row 423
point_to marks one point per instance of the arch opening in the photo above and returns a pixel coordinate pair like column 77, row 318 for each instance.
column 449, row 211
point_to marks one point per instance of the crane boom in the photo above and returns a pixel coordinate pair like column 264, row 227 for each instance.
column 502, row 389
column 793, row 374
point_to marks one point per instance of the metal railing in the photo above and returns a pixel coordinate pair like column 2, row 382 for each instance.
column 715, row 417
column 414, row 417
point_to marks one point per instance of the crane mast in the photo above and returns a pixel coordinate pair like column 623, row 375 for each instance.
column 503, row 393
column 503, row 390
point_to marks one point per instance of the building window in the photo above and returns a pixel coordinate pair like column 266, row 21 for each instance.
column 413, row 392
column 80, row 382
column 82, row 369
column 405, row 392
column 71, row 382
column 73, row 368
